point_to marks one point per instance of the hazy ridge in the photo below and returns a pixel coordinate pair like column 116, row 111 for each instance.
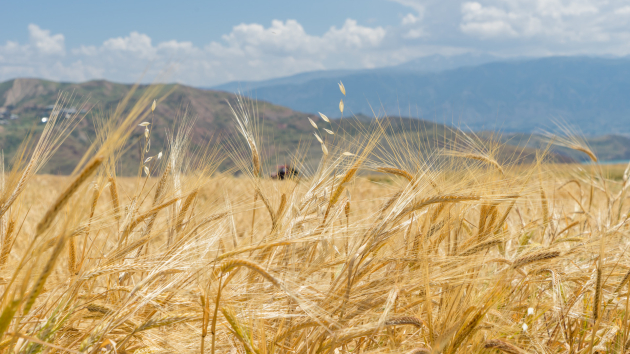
column 512, row 96
column 283, row 129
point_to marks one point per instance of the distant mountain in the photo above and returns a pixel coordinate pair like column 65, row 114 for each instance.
column 428, row 64
column 284, row 132
column 512, row 96
column 437, row 63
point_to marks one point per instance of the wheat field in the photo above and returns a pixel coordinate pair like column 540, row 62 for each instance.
column 380, row 248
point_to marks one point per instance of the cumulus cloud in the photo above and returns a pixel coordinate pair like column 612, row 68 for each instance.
column 523, row 27
column 249, row 51
column 625, row 10
column 289, row 38
column 46, row 43
column 412, row 24
column 252, row 51
column 417, row 5
column 562, row 21
column 409, row 19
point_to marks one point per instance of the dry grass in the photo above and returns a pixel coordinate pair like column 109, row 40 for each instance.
column 451, row 253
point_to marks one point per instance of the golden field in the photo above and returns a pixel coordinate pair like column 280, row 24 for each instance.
column 380, row 248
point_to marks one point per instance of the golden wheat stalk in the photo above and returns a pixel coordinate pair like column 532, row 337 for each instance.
column 480, row 247
column 182, row 212
column 167, row 321
column 396, row 172
column 72, row 258
column 238, row 330
column 503, row 346
column 7, row 243
column 267, row 204
column 585, row 150
column 419, row 351
column 598, row 294
column 536, row 257
column 61, row 201
column 18, row 189
column 140, row 218
column 623, row 282
column 479, row 157
column 407, row 320
column 48, row 268
column 227, row 266
column 113, row 192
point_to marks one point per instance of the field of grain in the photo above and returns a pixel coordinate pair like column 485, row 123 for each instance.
column 378, row 249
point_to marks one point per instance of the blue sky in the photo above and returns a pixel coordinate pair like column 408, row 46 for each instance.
column 205, row 43
column 93, row 22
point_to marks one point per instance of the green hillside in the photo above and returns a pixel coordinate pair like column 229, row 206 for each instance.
column 283, row 131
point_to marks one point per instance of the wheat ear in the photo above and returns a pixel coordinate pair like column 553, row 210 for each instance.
column 61, row 201
column 113, row 192
column 503, row 346
column 182, row 212
column 396, row 172
column 480, row 247
column 39, row 284
column 623, row 281
column 7, row 244
column 419, row 351
column 598, row 294
column 536, row 257
column 485, row 159
column 346, row 178
column 72, row 257
column 226, row 267
column 588, row 152
column 18, row 189
column 407, row 320
column 95, row 195
column 142, row 217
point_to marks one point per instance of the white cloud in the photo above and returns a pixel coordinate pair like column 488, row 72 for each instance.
column 414, row 33
column 44, row 42
column 409, row 19
column 289, row 38
column 623, row 10
column 249, row 51
column 485, row 21
column 252, row 51
column 417, row 5
column 136, row 43
column 560, row 21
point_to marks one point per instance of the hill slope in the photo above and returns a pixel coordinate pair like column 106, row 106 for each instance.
column 514, row 96
column 30, row 100
column 282, row 130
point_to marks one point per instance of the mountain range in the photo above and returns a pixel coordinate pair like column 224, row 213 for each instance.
column 284, row 133
column 481, row 93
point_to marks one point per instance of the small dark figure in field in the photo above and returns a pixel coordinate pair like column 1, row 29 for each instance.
column 285, row 171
